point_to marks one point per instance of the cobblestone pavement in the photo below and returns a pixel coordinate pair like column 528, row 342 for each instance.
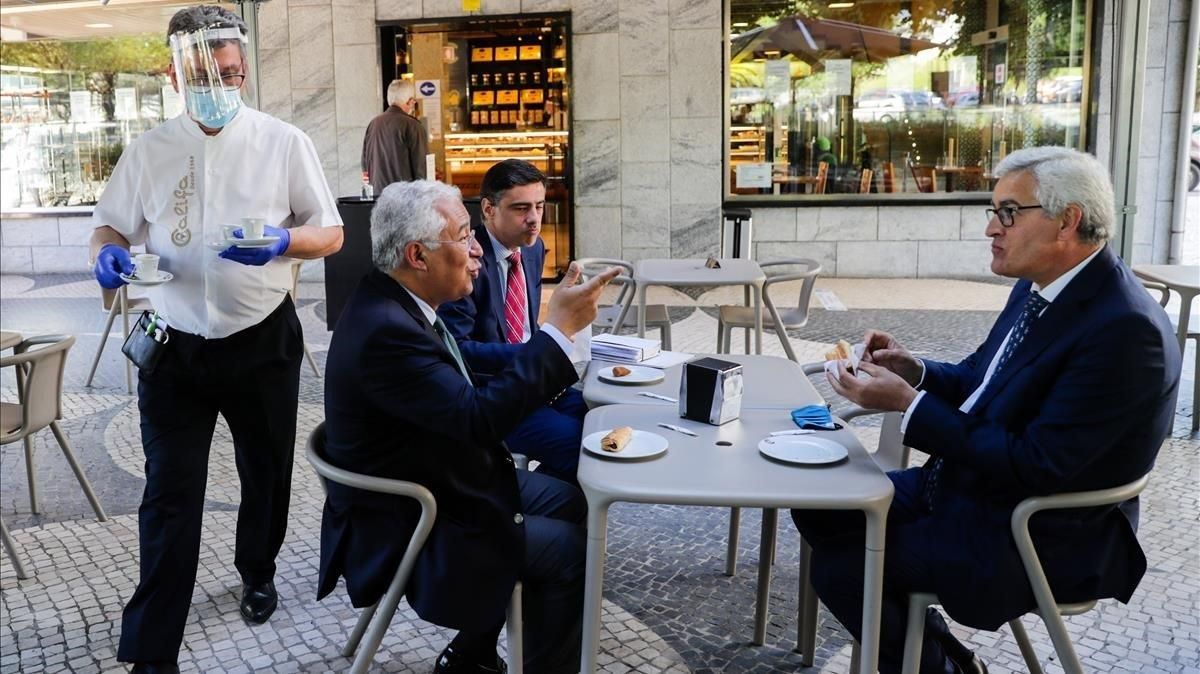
column 668, row 606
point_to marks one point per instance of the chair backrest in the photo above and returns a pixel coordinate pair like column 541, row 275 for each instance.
column 596, row 265
column 889, row 177
column 924, row 176
column 822, row 178
column 806, row 270
column 41, row 360
column 864, row 181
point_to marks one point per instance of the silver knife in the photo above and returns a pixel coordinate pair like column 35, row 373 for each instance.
column 678, row 429
column 657, row 396
column 798, row 431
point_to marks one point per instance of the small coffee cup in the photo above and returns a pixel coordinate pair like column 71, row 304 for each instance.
column 146, row 266
column 228, row 230
column 252, row 228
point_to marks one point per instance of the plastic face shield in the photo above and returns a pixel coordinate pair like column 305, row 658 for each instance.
column 211, row 93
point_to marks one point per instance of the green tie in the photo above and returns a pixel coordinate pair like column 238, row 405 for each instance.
column 440, row 327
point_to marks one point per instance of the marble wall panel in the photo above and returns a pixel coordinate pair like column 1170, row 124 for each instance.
column 636, row 254
column 358, row 96
column 16, row 260
column 697, row 66
column 643, row 24
column 349, row 156
column 310, row 38
column 695, row 14
column 645, row 118
column 314, row 113
column 273, row 25
column 536, row 6
column 645, row 204
column 693, row 183
column 954, row 259
column 594, row 16
column 774, row 224
column 847, row 223
column 275, row 82
column 914, row 223
column 972, row 223
column 395, row 10
column 354, row 23
column 59, row 259
column 597, row 163
column 695, row 230
column 824, row 253
column 29, row 232
column 883, row 259
column 598, row 231
column 596, row 83
column 75, row 231
column 808, row 223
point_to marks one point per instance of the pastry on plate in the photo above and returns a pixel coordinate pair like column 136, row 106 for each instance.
column 616, row 440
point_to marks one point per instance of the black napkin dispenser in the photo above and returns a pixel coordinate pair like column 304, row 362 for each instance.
column 710, row 390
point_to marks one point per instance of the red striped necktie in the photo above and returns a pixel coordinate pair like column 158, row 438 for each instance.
column 515, row 299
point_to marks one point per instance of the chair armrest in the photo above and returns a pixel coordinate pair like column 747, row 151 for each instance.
column 40, row 339
column 382, row 485
column 1027, row 508
column 783, row 278
column 586, row 262
column 1161, row 289
column 854, row 412
column 810, row 369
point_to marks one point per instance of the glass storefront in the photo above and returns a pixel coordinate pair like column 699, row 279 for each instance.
column 70, row 101
column 868, row 98
column 490, row 90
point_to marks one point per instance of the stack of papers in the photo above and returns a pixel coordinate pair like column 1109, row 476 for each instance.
column 624, row 349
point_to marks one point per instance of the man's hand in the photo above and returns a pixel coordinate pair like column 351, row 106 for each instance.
column 883, row 349
column 111, row 262
column 257, row 257
column 573, row 307
column 885, row 390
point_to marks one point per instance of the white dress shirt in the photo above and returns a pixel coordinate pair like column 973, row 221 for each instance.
column 431, row 315
column 174, row 187
column 502, row 254
column 1049, row 293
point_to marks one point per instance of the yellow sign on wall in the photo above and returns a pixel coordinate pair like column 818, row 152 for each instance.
column 470, row 5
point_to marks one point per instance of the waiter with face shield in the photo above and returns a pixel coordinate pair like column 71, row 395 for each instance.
column 231, row 341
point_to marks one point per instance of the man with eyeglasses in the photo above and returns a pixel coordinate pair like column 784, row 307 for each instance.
column 501, row 311
column 1073, row 390
column 232, row 343
column 395, row 143
column 401, row 402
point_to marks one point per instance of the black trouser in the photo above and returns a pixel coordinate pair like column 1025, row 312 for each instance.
column 552, row 578
column 252, row 378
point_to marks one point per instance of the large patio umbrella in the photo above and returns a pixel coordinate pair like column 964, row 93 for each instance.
column 811, row 39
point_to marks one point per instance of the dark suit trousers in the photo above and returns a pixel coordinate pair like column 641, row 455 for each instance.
column 252, row 379
column 552, row 434
column 552, row 578
column 837, row 538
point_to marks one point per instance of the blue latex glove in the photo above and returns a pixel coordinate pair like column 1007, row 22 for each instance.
column 111, row 262
column 259, row 256
column 816, row 417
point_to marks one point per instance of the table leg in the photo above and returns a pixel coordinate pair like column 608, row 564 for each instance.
column 780, row 330
column 758, row 318
column 593, row 588
column 770, row 522
column 641, row 310
column 1185, row 314
column 122, row 297
column 873, row 590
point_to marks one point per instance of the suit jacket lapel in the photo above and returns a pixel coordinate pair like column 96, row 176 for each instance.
column 533, row 274
column 1056, row 321
column 397, row 292
column 495, row 282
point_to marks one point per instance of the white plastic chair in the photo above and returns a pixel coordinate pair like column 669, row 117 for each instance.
column 1048, row 609
column 606, row 317
column 14, row 555
column 1193, row 334
column 39, row 387
column 117, row 302
column 315, row 451
column 730, row 316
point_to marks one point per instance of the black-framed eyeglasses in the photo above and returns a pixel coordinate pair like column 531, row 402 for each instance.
column 1007, row 214
column 231, row 81
column 465, row 241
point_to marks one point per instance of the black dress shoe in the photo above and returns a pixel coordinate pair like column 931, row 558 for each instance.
column 259, row 602
column 453, row 662
column 160, row 667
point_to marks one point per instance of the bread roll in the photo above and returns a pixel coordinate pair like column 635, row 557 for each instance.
column 843, row 351
column 617, row 439
column 619, row 371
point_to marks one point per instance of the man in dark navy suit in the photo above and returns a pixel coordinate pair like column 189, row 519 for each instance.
column 400, row 402
column 1073, row 390
column 501, row 312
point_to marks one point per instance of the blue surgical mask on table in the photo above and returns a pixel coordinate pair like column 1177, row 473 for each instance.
column 815, row 417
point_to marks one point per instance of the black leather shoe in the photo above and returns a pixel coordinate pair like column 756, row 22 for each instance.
column 452, row 662
column 161, row 667
column 259, row 602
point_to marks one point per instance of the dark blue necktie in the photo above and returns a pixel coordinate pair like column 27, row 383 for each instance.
column 1033, row 308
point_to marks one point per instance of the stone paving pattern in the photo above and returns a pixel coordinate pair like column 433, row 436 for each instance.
column 668, row 607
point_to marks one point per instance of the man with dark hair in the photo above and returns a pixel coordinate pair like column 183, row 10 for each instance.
column 232, row 343
column 501, row 312
column 395, row 144
column 1073, row 390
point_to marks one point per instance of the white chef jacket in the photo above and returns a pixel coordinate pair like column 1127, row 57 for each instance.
column 174, row 187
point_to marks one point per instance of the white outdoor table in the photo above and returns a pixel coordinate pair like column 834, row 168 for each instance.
column 770, row 382
column 733, row 272
column 698, row 471
column 1183, row 279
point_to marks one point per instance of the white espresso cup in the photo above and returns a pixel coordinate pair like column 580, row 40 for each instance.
column 146, row 266
column 252, row 228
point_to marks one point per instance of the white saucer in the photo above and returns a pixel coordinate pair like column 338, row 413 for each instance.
column 643, row 444
column 803, row 450
column 163, row 277
column 639, row 374
column 261, row 242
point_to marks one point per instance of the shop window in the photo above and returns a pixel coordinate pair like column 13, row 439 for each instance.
column 915, row 98
column 74, row 93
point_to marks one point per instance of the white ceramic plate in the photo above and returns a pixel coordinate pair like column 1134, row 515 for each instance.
column 246, row 243
column 163, row 277
column 641, row 445
column 639, row 374
column 804, row 450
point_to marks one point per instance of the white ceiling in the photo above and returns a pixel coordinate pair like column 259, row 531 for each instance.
column 68, row 19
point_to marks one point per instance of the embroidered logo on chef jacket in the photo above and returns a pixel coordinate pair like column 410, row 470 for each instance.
column 183, row 193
